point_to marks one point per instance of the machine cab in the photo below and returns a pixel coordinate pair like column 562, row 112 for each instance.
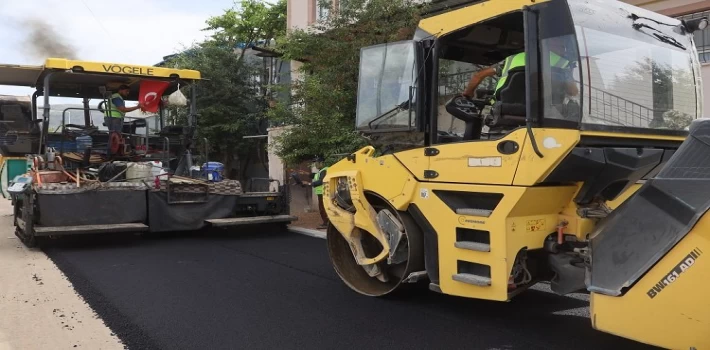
column 600, row 67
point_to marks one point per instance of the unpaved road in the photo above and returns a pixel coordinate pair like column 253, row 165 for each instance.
column 39, row 308
column 277, row 290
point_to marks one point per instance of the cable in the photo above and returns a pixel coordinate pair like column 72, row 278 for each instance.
column 96, row 19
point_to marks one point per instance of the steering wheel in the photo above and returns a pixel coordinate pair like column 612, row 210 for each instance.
column 465, row 109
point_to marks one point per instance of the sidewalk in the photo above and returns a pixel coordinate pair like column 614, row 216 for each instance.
column 307, row 224
column 39, row 308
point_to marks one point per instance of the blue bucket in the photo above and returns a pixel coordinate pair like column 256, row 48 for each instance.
column 213, row 171
column 83, row 142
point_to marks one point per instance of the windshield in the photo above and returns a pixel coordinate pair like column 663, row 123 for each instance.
column 386, row 74
column 638, row 68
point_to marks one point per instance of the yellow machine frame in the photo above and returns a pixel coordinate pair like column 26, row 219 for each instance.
column 527, row 213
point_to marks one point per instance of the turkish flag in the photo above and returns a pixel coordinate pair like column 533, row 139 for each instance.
column 150, row 94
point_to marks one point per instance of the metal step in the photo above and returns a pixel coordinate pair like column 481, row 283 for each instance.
column 88, row 229
column 475, row 280
column 251, row 220
column 479, row 247
column 474, row 212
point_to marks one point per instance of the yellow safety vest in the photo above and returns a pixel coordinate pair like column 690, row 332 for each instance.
column 518, row 60
column 114, row 112
column 319, row 189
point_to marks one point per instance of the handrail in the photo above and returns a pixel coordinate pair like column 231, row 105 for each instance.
column 166, row 151
column 64, row 115
column 64, row 119
column 608, row 106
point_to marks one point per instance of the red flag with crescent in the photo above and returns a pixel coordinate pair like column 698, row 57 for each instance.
column 150, row 93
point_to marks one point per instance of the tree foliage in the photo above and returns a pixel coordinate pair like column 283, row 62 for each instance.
column 322, row 111
column 230, row 101
column 253, row 21
column 228, row 104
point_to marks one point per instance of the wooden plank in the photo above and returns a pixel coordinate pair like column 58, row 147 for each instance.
column 251, row 220
column 83, row 229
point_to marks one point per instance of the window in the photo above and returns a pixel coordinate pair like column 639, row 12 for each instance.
column 702, row 37
column 322, row 9
column 454, row 76
column 633, row 79
column 385, row 88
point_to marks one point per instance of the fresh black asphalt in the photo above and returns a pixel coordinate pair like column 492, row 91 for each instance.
column 277, row 290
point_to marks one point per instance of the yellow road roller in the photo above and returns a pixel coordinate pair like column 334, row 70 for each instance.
column 523, row 141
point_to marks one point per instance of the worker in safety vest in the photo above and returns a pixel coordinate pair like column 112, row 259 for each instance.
column 116, row 111
column 317, row 184
column 501, row 70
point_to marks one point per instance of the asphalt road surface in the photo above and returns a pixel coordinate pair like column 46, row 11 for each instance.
column 270, row 290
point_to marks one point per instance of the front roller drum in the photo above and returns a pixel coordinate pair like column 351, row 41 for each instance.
column 395, row 271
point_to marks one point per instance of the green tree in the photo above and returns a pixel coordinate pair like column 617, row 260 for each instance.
column 322, row 111
column 253, row 22
column 231, row 101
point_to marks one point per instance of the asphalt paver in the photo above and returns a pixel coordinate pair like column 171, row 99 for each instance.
column 268, row 290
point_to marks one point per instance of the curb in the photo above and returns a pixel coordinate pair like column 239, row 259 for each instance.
column 307, row 232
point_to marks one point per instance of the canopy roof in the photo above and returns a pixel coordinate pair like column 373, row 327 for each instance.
column 84, row 79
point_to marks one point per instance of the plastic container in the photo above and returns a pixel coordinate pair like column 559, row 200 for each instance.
column 50, row 158
column 156, row 168
column 83, row 142
column 138, row 172
column 213, row 171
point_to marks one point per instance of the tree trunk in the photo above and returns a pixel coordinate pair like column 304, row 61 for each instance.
column 227, row 161
column 244, row 166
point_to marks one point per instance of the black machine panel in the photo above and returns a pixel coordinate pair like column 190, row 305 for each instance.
column 635, row 236
column 469, row 112
column 608, row 171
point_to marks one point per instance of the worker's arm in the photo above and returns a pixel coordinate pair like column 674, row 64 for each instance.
column 477, row 78
column 572, row 88
column 120, row 105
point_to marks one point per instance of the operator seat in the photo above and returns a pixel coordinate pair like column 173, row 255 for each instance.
column 509, row 108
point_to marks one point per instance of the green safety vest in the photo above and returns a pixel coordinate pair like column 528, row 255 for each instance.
column 114, row 110
column 319, row 189
column 518, row 60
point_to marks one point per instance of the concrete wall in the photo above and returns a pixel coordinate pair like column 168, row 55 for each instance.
column 300, row 13
column 276, row 165
column 303, row 199
column 706, row 93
